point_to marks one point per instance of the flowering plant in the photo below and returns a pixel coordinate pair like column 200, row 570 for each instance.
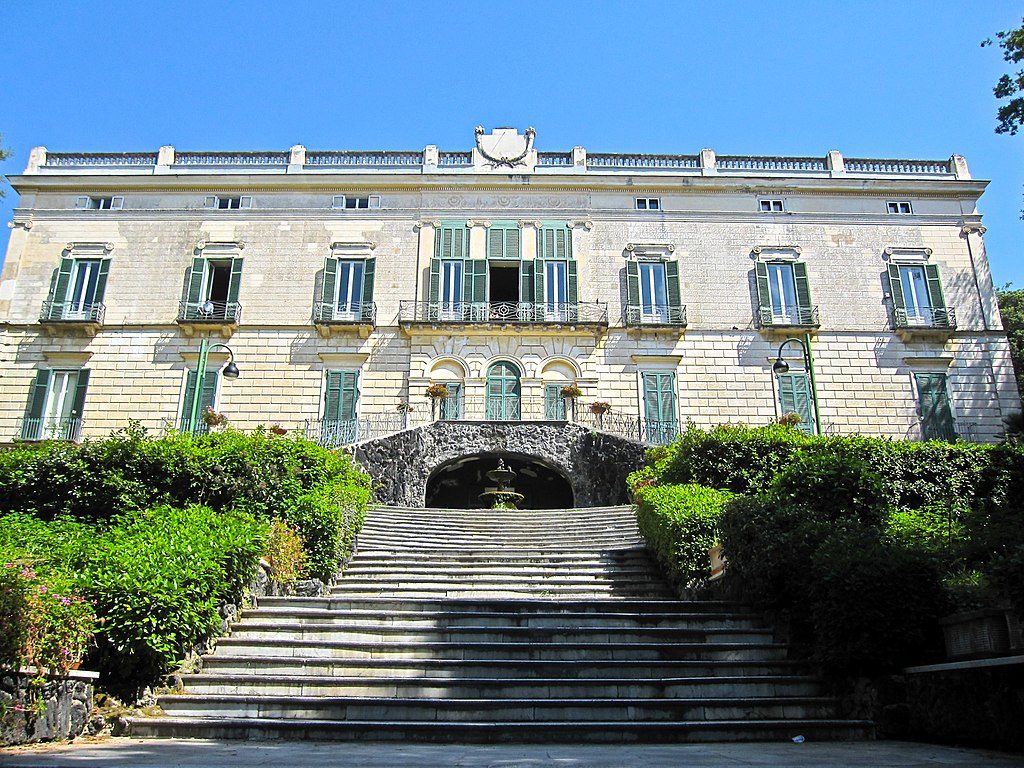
column 572, row 391
column 404, row 407
column 277, row 429
column 213, row 419
column 437, row 391
column 599, row 407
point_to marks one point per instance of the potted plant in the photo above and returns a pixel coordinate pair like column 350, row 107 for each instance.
column 277, row 429
column 212, row 418
column 599, row 408
column 571, row 391
column 436, row 392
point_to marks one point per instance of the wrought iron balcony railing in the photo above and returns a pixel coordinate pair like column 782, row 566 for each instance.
column 637, row 315
column 937, row 319
column 332, row 433
column 328, row 312
column 66, row 312
column 67, row 429
column 217, row 312
column 789, row 317
column 516, row 312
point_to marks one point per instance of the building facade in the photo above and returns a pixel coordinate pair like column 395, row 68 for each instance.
column 345, row 284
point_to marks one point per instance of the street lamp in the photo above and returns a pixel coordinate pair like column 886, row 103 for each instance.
column 230, row 372
column 781, row 367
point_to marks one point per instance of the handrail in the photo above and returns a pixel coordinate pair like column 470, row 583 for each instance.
column 209, row 312
column 635, row 315
column 514, row 312
column 330, row 312
column 67, row 312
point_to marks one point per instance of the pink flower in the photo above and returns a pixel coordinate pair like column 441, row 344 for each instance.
column 66, row 600
column 42, row 589
column 8, row 565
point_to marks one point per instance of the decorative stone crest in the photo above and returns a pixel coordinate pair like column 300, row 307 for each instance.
column 505, row 147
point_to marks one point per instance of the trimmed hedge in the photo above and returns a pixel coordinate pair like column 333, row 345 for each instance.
column 680, row 523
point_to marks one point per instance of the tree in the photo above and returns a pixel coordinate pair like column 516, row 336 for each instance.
column 1010, row 114
column 1011, row 307
column 4, row 154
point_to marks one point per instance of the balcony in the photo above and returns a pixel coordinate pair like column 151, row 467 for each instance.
column 67, row 429
column 329, row 318
column 592, row 316
column 65, row 314
column 937, row 323
column 654, row 316
column 217, row 315
column 788, row 318
column 334, row 433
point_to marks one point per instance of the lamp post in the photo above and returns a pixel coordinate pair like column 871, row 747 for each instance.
column 230, row 372
column 780, row 367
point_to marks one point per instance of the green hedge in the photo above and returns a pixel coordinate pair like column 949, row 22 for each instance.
column 155, row 577
column 680, row 524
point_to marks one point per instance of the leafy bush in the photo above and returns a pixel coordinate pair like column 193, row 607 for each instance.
column 13, row 610
column 328, row 518
column 831, row 484
column 1006, row 572
column 873, row 606
column 284, row 552
column 937, row 530
column 680, row 524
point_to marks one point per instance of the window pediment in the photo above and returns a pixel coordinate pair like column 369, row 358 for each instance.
column 776, row 252
column 650, row 251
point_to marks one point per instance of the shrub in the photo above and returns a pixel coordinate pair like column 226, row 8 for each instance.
column 735, row 458
column 680, row 524
column 1006, row 573
column 874, row 607
column 328, row 518
column 284, row 552
column 936, row 530
column 13, row 611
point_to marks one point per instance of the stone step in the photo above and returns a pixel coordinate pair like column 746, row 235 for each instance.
column 747, row 729
column 459, row 580
column 444, row 619
column 510, row 606
column 225, row 661
column 275, row 632
column 465, row 571
column 498, row 593
column 421, row 708
column 500, row 558
column 485, row 529
column 353, row 649
column 502, row 542
column 512, row 515
column 252, row 684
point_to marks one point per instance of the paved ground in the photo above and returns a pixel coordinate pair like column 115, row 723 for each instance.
column 174, row 753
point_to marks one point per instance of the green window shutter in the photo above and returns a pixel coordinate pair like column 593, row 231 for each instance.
column 206, row 400
column 349, row 395
column 803, row 288
column 451, row 406
column 31, row 429
column 236, row 281
column 764, row 297
column 554, row 242
column 660, row 406
column 538, row 281
column 633, row 283
column 672, row 283
column 513, row 243
column 195, row 281
column 82, row 384
column 369, row 270
column 896, row 287
column 504, row 241
column 495, row 243
column 554, row 403
column 101, row 281
column 332, row 395
column 474, row 281
column 795, row 397
column 936, row 411
column 526, row 281
column 209, row 396
column 545, row 243
column 931, row 273
column 450, row 241
column 435, row 281
column 572, row 283
column 329, row 289
column 62, row 281
column 186, row 401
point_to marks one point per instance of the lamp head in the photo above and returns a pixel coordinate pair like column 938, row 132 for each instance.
column 230, row 371
column 780, row 366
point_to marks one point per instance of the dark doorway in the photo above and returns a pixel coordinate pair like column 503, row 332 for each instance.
column 504, row 283
column 459, row 483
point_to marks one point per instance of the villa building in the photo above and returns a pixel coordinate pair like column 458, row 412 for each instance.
column 346, row 283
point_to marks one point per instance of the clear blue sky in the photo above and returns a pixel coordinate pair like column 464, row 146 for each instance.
column 882, row 79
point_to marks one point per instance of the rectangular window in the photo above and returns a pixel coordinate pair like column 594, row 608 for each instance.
column 795, row 398
column 229, row 203
column 84, row 285
column 771, row 206
column 934, row 407
column 653, row 292
column 556, row 290
column 349, row 300
column 451, row 406
column 659, row 394
column 207, row 399
column 782, row 291
column 55, row 405
column 341, row 400
column 899, row 207
column 451, row 289
column 916, row 300
column 113, row 203
column 554, row 403
column 648, row 203
column 354, row 203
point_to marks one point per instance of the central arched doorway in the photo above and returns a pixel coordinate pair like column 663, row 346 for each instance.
column 457, row 484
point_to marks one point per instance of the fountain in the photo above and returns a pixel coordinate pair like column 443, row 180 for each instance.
column 502, row 495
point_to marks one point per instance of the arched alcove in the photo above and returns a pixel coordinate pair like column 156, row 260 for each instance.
column 458, row 483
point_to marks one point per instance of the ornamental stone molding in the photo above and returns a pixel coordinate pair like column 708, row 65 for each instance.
column 220, row 246
column 89, row 247
column 505, row 148
column 759, row 250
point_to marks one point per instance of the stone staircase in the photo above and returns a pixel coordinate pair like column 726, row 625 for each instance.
column 480, row 625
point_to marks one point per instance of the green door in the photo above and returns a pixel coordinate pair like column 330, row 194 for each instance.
column 795, row 397
column 660, row 407
column 451, row 406
column 936, row 412
column 554, row 403
column 503, row 392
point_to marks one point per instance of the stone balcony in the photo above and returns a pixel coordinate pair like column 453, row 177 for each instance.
column 790, row 318
column 58, row 316
column 591, row 317
column 359, row 318
column 925, row 323
column 222, row 316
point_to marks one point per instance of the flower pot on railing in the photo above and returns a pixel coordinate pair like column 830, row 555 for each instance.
column 569, row 395
column 436, row 393
column 599, row 408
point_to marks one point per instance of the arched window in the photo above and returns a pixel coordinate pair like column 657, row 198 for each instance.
column 503, row 392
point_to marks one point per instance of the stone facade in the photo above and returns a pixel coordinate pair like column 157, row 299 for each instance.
column 55, row 710
column 151, row 217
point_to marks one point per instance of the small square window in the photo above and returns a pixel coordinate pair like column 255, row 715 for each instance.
column 648, row 203
column 900, row 207
column 229, row 203
column 351, row 203
column 114, row 203
column 771, row 206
